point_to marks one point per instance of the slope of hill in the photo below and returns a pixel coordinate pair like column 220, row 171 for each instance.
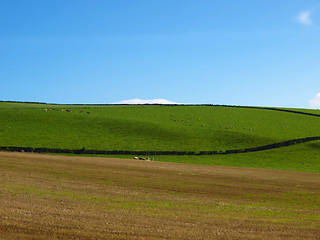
column 149, row 127
column 303, row 157
column 164, row 128
column 168, row 128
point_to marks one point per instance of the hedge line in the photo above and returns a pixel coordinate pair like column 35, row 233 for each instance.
column 269, row 108
column 126, row 152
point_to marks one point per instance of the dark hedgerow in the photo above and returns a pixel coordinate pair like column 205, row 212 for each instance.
column 125, row 152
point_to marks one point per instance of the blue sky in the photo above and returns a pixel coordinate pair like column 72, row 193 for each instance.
column 250, row 52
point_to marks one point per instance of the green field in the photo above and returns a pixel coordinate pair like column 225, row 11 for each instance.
column 302, row 157
column 167, row 128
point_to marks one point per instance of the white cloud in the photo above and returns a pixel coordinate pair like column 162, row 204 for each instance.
column 304, row 18
column 315, row 102
column 140, row 101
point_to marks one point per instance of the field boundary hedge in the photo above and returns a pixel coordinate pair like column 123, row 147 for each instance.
column 128, row 152
column 270, row 108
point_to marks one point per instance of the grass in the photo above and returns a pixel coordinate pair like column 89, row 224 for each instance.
column 60, row 197
column 303, row 157
column 167, row 128
column 143, row 128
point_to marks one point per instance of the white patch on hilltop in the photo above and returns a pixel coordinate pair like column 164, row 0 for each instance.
column 141, row 101
column 315, row 102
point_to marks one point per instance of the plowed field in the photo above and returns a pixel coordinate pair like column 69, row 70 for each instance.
column 60, row 197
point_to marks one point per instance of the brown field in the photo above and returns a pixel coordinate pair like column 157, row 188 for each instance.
column 59, row 197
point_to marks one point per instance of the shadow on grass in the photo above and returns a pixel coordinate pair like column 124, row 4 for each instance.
column 315, row 145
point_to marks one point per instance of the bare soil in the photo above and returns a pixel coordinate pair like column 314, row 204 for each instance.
column 62, row 197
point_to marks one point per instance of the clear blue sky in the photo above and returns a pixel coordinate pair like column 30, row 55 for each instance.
column 250, row 52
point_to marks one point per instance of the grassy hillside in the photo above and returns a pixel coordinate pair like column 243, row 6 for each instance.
column 302, row 157
column 162, row 128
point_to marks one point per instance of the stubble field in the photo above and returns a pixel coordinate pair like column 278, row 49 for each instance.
column 61, row 197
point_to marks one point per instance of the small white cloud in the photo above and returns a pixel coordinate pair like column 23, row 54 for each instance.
column 140, row 101
column 304, row 18
column 315, row 102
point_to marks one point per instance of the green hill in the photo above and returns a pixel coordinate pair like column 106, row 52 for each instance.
column 303, row 157
column 151, row 127
column 145, row 128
